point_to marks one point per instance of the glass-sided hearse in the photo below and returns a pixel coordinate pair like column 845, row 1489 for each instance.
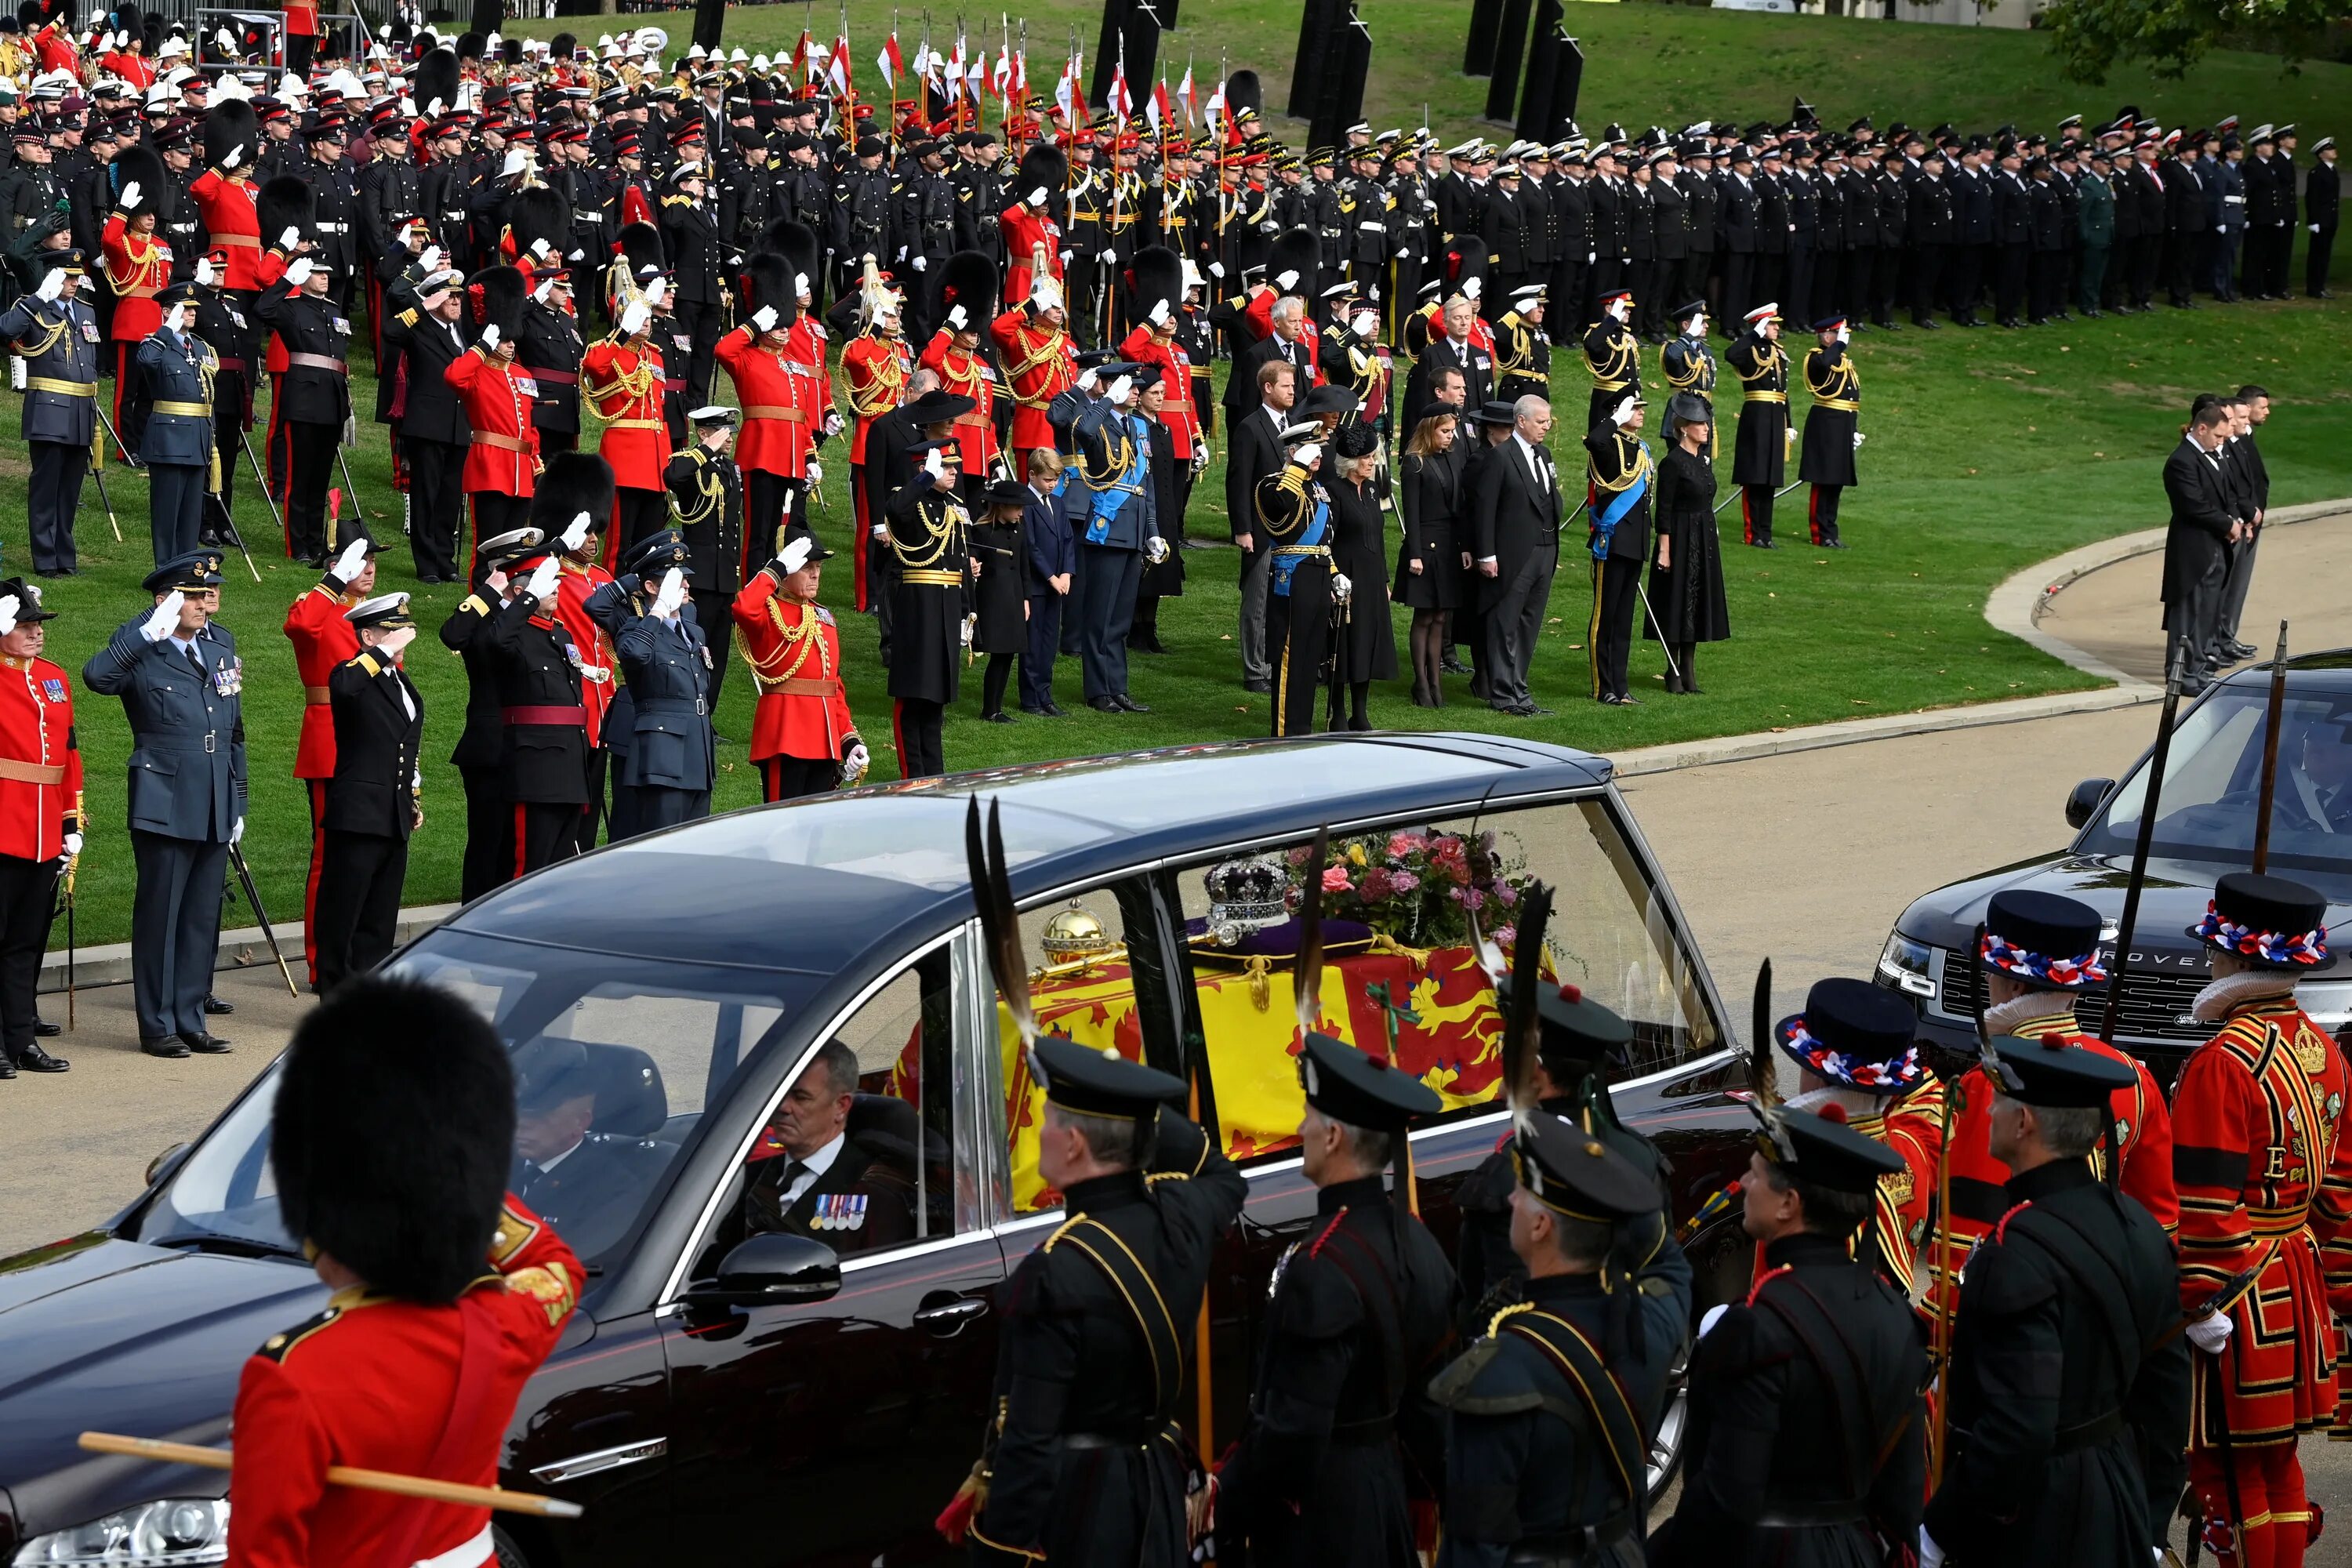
column 752, row 1391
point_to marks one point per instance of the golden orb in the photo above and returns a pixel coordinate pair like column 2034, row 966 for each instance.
column 1075, row 934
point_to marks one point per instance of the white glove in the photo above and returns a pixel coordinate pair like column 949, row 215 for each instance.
column 236, row 156
column 394, row 644
column 934, row 462
column 1622, row 411
column 129, row 197
column 1037, row 198
column 430, row 261
column 1364, row 324
column 834, row 424
column 816, row 473
column 672, row 595
column 8, row 608
column 595, row 674
column 237, row 831
column 1713, row 1316
column 854, row 765
column 968, row 621
column 1341, row 586
column 2314, row 228
column 1066, row 257
column 2210, row 1333
column 1307, row 456
column 1930, row 1554
column 634, row 318
column 73, row 845
column 1120, row 388
column 657, row 291
column 1107, row 255
column 1858, row 438
column 175, row 320
column 299, row 273
column 575, row 533
column 1155, row 550
column 1216, row 269
column 491, row 336
column 347, row 565
column 164, row 618
column 1158, row 312
column 1284, row 281
column 957, row 320
column 1086, row 379
column 922, row 262
column 290, row 238
column 765, row 318
column 204, row 271
column 541, row 581
column 539, row 249
column 52, row 285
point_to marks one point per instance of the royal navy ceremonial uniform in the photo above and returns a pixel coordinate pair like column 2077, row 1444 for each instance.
column 1621, row 474
column 57, row 340
column 1827, row 459
column 1761, row 451
column 931, row 597
column 40, row 806
column 1613, row 354
column 1294, row 516
column 374, row 801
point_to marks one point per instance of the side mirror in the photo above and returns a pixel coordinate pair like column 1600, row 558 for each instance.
column 163, row 1161
column 776, row 1269
column 2083, row 800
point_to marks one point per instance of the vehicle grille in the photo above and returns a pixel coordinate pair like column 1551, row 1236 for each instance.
column 2152, row 1005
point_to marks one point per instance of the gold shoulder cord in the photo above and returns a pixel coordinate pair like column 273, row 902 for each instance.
column 1292, row 483
column 1628, row 470
column 947, row 532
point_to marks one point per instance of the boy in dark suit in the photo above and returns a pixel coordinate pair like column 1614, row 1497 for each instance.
column 1053, row 558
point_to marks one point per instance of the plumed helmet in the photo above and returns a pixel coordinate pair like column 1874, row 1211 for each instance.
column 574, row 483
column 495, row 296
column 284, row 203
column 393, row 1133
column 436, row 83
column 138, row 164
column 767, row 283
column 967, row 279
column 1296, row 250
column 1158, row 278
column 1043, row 164
column 538, row 213
column 230, row 127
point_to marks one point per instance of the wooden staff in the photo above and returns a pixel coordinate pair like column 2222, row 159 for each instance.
column 2270, row 755
column 422, row 1487
column 2129, row 925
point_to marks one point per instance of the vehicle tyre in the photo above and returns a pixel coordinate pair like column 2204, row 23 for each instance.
column 1722, row 1258
column 510, row 1556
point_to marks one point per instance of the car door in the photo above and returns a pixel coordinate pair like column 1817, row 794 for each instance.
column 834, row 1431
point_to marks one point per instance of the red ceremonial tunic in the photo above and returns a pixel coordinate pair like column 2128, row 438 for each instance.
column 776, row 387
column 226, row 200
column 1145, row 346
column 1023, row 228
column 56, row 48
column 968, row 375
column 573, row 590
column 623, row 384
column 877, row 368
column 498, row 397
column 795, row 652
column 1980, row 1182
column 322, row 640
column 1040, row 365
column 130, row 67
column 40, row 760
column 301, row 18
column 137, row 267
column 2265, row 1182
column 374, row 1382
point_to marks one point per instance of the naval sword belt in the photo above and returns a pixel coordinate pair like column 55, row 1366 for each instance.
column 800, row 686
column 932, row 579
column 1767, row 397
column 530, row 715
column 316, row 696
column 1600, row 385
column 1844, row 404
column 61, row 388
column 503, row 443
column 31, row 773
column 790, row 415
column 184, row 410
column 319, row 362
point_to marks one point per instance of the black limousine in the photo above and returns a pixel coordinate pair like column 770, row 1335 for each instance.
column 697, row 970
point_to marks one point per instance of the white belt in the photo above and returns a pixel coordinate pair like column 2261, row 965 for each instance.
column 470, row 1553
column 2235, row 201
column 328, row 227
column 1373, row 227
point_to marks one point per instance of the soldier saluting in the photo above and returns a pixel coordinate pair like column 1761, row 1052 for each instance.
column 1761, row 452
column 54, row 331
column 375, row 799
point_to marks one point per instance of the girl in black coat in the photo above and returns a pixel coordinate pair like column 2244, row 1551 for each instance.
column 1001, row 608
column 1429, row 575
column 1686, row 582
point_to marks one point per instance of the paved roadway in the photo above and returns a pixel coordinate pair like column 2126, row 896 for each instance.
column 1807, row 856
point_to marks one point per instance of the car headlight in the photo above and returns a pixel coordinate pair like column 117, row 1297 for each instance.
column 2329, row 1002
column 170, row 1534
column 1911, row 965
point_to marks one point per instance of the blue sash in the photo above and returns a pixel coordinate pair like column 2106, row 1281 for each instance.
column 1605, row 520
column 1312, row 534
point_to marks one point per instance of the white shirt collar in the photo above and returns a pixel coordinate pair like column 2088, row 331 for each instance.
column 820, row 1161
column 549, row 1164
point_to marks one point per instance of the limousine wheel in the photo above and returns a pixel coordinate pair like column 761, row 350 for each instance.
column 510, row 1555
column 1667, row 1447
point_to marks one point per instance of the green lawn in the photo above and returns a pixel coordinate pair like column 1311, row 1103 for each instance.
column 1989, row 451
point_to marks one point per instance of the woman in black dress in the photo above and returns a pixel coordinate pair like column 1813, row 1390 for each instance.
column 1364, row 650
column 1429, row 560
column 1001, row 610
column 1686, row 583
column 1164, row 580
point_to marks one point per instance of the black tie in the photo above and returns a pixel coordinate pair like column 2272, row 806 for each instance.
column 196, row 659
column 794, row 1172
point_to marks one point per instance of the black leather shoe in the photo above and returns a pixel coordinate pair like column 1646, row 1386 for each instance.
column 217, row 1008
column 1055, row 710
column 1833, row 545
column 169, row 1046
column 1452, row 666
column 8, row 1068
column 999, row 717
column 1129, row 704
column 32, row 1058
column 1262, row 688
column 1105, row 704
column 204, row 1043
column 45, row 1030
column 1040, row 712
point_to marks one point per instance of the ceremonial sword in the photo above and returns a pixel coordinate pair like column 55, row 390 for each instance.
column 253, row 897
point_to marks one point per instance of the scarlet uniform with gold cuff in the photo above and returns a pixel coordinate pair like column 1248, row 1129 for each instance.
column 876, row 366
column 380, row 1384
column 40, row 760
column 1023, row 228
column 322, row 640
column 795, row 652
column 137, row 267
column 623, row 384
column 963, row 374
column 1040, row 365
column 574, row 588
column 1146, row 346
column 498, row 397
column 783, row 397
column 233, row 226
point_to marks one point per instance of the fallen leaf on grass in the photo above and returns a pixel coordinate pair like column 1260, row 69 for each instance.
column 1859, row 701
column 1243, row 709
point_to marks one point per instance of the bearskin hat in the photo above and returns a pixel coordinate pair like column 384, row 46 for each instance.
column 469, row 45
column 1241, row 91
column 496, row 295
column 230, row 127
column 767, row 283
column 434, row 91
column 538, row 213
column 1159, row 278
column 285, row 203
column 392, row 1134
column 574, row 483
column 796, row 242
column 967, row 279
column 1043, row 164
column 562, row 47
column 138, row 164
column 1294, row 250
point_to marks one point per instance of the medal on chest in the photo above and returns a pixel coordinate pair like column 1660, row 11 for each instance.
column 229, row 677
column 839, row 1211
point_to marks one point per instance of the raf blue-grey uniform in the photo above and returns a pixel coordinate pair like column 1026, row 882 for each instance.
column 59, row 341
column 663, row 770
column 187, row 794
column 1112, row 483
column 177, row 447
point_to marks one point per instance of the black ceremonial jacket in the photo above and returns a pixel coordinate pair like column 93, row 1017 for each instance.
column 378, row 735
column 544, row 756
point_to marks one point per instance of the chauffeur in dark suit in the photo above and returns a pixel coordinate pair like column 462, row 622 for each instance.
column 1516, row 524
column 56, row 335
column 374, row 800
column 426, row 331
column 591, row 1183
column 179, row 677
column 810, row 1179
column 177, row 445
column 2196, row 541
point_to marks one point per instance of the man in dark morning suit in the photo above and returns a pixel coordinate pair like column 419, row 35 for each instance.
column 1255, row 452
column 2197, row 540
column 809, row 1177
column 1517, row 519
column 2243, row 461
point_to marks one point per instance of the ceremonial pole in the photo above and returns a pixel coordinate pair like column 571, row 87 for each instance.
column 2270, row 755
